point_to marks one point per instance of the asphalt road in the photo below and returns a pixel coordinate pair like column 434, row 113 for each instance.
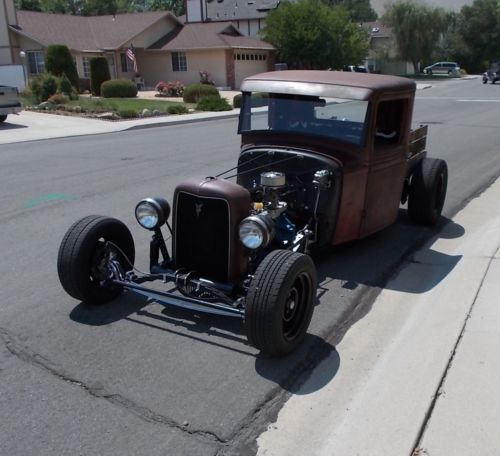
column 135, row 377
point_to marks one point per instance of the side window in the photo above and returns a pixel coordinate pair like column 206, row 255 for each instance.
column 390, row 115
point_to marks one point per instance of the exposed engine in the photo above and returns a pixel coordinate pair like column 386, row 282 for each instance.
column 273, row 221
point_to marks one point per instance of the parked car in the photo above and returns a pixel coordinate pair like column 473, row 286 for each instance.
column 9, row 102
column 449, row 68
column 492, row 74
column 327, row 159
column 356, row 68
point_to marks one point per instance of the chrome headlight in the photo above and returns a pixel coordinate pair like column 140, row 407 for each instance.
column 256, row 231
column 151, row 213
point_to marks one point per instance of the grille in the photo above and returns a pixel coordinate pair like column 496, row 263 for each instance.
column 202, row 235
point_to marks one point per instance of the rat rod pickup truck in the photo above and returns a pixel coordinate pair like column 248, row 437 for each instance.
column 9, row 102
column 326, row 157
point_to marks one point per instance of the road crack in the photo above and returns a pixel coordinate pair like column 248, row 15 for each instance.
column 27, row 355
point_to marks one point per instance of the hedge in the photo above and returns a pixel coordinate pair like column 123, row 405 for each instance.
column 195, row 92
column 213, row 103
column 118, row 88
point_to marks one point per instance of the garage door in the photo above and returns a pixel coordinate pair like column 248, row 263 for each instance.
column 247, row 64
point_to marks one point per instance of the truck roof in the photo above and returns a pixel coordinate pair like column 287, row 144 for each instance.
column 334, row 84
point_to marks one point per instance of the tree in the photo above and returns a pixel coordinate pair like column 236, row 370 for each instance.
column 98, row 7
column 477, row 40
column 99, row 73
column 360, row 10
column 178, row 7
column 28, row 5
column 58, row 61
column 311, row 35
column 416, row 29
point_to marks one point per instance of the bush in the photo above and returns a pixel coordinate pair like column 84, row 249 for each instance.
column 177, row 109
column 195, row 92
column 43, row 86
column 99, row 73
column 258, row 99
column 58, row 61
column 58, row 99
column 170, row 89
column 128, row 113
column 118, row 88
column 237, row 100
column 65, row 85
column 213, row 103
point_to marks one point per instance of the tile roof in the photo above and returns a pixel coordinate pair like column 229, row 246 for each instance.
column 86, row 33
column 209, row 35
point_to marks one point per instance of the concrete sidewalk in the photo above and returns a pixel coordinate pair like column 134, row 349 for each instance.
column 418, row 374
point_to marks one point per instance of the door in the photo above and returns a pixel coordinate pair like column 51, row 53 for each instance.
column 387, row 166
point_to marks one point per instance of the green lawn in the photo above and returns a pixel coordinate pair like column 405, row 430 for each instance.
column 96, row 104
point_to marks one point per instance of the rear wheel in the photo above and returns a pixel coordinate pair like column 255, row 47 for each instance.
column 84, row 255
column 280, row 302
column 3, row 118
column 428, row 191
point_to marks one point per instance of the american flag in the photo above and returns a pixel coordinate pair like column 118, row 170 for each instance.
column 131, row 56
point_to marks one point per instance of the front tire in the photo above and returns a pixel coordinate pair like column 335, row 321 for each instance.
column 83, row 255
column 428, row 186
column 280, row 302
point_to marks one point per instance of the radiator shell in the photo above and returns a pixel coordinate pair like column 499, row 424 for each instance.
column 206, row 216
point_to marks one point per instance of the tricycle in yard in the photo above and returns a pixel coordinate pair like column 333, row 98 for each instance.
column 326, row 157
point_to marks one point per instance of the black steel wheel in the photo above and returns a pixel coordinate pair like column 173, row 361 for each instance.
column 428, row 186
column 82, row 262
column 280, row 302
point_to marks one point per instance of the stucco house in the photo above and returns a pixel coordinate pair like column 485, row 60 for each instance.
column 164, row 47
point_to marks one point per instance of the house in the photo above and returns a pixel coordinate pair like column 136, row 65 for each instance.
column 164, row 48
column 247, row 15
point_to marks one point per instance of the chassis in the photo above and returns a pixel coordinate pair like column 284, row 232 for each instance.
column 241, row 249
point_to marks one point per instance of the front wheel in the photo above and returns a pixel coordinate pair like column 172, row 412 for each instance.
column 427, row 191
column 280, row 302
column 84, row 255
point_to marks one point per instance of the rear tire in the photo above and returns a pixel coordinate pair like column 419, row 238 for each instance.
column 3, row 118
column 427, row 191
column 280, row 302
column 81, row 262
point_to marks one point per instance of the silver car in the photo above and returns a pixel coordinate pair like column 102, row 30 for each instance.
column 449, row 68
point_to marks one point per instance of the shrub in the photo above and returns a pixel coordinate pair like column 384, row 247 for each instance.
column 58, row 99
column 43, row 86
column 65, row 85
column 58, row 61
column 177, row 109
column 99, row 73
column 128, row 113
column 118, row 88
column 213, row 103
column 170, row 89
column 258, row 99
column 195, row 92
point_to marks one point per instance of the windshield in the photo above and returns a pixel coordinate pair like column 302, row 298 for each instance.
column 335, row 118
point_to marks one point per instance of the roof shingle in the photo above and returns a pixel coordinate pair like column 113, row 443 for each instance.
column 90, row 33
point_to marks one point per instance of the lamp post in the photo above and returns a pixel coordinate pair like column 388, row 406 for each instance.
column 22, row 54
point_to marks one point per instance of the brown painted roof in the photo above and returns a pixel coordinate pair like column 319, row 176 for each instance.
column 341, row 84
column 210, row 35
column 86, row 33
